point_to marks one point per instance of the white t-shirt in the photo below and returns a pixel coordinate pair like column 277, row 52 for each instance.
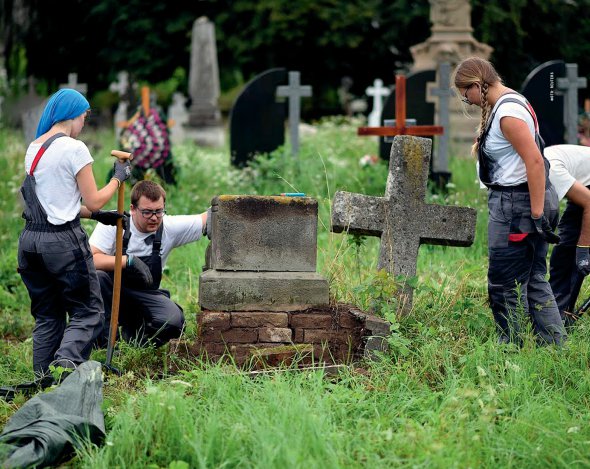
column 507, row 167
column 178, row 230
column 569, row 163
column 55, row 177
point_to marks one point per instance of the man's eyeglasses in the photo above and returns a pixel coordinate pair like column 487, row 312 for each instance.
column 150, row 213
column 464, row 98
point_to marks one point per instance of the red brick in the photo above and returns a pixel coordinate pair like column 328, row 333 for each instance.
column 238, row 335
column 298, row 336
column 349, row 321
column 318, row 336
column 280, row 355
column 259, row 319
column 274, row 334
column 311, row 321
column 214, row 320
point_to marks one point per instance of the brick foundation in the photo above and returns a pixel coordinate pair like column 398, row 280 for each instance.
column 332, row 334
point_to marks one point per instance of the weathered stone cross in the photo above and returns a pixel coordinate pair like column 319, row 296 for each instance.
column 570, row 84
column 73, row 83
column 440, row 163
column 402, row 219
column 294, row 92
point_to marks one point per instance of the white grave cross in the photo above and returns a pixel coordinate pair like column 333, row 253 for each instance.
column 73, row 83
column 377, row 92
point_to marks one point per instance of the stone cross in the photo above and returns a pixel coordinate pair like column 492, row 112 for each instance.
column 402, row 219
column 400, row 118
column 443, row 93
column 570, row 84
column 178, row 115
column 73, row 83
column 377, row 92
column 294, row 92
column 121, row 87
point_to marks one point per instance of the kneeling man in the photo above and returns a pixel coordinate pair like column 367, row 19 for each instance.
column 146, row 310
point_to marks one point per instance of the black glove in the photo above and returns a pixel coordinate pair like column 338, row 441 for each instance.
column 544, row 229
column 121, row 171
column 137, row 273
column 583, row 260
column 106, row 217
column 207, row 226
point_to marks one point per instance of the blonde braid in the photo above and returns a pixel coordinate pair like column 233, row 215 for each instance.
column 485, row 111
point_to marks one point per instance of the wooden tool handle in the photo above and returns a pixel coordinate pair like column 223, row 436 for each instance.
column 122, row 155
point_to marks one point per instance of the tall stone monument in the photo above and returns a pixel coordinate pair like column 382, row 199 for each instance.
column 204, row 122
column 451, row 41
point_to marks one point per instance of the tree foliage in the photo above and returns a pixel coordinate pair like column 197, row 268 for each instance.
column 324, row 39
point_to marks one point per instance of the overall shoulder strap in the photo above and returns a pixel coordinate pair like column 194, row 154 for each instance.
column 158, row 240
column 42, row 150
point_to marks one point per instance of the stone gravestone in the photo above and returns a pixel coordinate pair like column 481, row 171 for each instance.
column 263, row 255
column 402, row 219
column 73, row 83
column 256, row 122
column 121, row 87
column 540, row 89
column 178, row 114
column 569, row 86
column 204, row 123
column 440, row 159
column 294, row 91
column 417, row 104
column 377, row 92
column 261, row 297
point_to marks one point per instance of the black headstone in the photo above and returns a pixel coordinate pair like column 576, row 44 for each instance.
column 417, row 106
column 540, row 88
column 257, row 120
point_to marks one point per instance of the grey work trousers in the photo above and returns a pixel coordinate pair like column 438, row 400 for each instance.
column 59, row 273
column 517, row 267
column 145, row 315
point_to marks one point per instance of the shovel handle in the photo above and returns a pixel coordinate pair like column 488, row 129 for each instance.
column 122, row 155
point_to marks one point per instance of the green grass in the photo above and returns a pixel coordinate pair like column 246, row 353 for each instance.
column 444, row 396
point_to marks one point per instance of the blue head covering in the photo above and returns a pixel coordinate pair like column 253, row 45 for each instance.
column 63, row 105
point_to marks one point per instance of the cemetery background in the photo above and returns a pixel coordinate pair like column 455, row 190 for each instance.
column 445, row 395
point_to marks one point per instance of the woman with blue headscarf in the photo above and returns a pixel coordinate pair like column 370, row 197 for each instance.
column 54, row 259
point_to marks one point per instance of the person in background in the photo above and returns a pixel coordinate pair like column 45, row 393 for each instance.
column 522, row 203
column 570, row 259
column 146, row 311
column 54, row 258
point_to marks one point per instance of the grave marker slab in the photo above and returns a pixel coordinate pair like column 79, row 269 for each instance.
column 121, row 87
column 540, row 89
column 570, row 85
column 402, row 219
column 257, row 121
column 294, row 91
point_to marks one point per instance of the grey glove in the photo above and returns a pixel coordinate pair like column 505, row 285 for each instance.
column 106, row 217
column 137, row 273
column 207, row 226
column 583, row 260
column 121, row 171
column 544, row 229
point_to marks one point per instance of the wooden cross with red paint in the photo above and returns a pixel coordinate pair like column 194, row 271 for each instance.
column 400, row 118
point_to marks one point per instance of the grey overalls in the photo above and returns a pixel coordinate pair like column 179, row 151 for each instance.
column 145, row 313
column 517, row 253
column 55, row 264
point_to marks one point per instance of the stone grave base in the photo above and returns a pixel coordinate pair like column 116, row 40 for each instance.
column 258, row 339
column 213, row 136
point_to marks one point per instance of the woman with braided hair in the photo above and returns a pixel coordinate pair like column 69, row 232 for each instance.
column 523, row 206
